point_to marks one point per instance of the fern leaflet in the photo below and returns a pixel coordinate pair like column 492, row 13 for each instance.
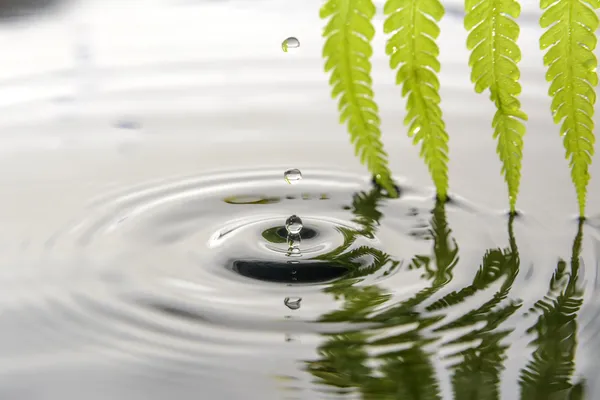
column 347, row 51
column 570, row 40
column 493, row 34
column 412, row 47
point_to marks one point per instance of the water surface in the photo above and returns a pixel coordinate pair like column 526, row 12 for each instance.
column 143, row 209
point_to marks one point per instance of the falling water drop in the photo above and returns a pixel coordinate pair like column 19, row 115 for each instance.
column 292, row 176
column 290, row 43
column 294, row 245
column 293, row 303
column 293, row 225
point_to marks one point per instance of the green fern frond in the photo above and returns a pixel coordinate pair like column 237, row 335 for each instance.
column 492, row 40
column 570, row 40
column 412, row 48
column 347, row 51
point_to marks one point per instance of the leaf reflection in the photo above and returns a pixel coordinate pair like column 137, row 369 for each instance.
column 389, row 352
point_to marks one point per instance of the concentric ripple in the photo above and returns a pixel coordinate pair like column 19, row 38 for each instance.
column 195, row 272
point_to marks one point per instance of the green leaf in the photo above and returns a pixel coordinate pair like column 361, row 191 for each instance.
column 492, row 40
column 413, row 51
column 570, row 40
column 347, row 51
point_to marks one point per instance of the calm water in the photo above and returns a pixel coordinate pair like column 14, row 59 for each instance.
column 144, row 250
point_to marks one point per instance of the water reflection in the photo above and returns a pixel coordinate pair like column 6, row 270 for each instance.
column 391, row 358
column 548, row 375
column 392, row 298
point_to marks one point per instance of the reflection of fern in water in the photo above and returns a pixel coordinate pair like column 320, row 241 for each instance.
column 403, row 366
column 445, row 258
column 407, row 372
column 366, row 214
column 477, row 373
column 548, row 374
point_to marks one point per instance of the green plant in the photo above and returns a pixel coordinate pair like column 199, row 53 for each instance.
column 569, row 39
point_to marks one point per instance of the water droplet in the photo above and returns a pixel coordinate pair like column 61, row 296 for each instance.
column 293, row 303
column 294, row 245
column 290, row 43
column 292, row 176
column 294, row 252
column 293, row 225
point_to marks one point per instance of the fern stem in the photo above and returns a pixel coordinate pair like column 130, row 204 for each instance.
column 493, row 34
column 347, row 51
column 413, row 50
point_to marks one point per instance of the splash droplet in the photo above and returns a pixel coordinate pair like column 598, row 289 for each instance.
column 290, row 43
column 293, row 225
column 293, row 303
column 294, row 251
column 292, row 176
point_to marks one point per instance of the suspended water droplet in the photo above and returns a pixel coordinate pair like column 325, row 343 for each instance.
column 294, row 240
column 290, row 43
column 293, row 303
column 293, row 225
column 294, row 252
column 294, row 245
column 292, row 176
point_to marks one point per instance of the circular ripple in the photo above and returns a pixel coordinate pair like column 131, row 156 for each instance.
column 195, row 271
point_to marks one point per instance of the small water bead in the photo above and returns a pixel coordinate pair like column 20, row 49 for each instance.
column 294, row 252
column 292, row 176
column 293, row 225
column 290, row 43
column 293, row 303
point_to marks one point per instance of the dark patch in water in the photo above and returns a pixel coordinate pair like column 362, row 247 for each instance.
column 251, row 199
column 175, row 311
column 282, row 272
